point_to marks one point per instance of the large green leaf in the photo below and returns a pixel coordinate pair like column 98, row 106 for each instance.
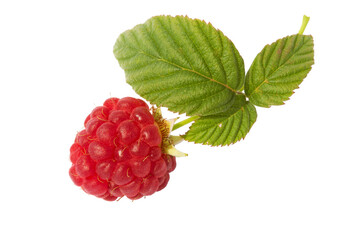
column 181, row 63
column 279, row 69
column 224, row 128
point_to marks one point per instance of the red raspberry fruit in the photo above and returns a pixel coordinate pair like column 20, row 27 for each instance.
column 119, row 152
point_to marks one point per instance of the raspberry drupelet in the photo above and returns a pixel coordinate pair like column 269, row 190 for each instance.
column 119, row 153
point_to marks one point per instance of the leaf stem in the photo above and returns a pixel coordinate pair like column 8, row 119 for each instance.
column 304, row 24
column 184, row 122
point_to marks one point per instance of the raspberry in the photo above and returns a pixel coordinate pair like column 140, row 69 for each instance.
column 100, row 151
column 101, row 113
column 75, row 152
column 122, row 153
column 84, row 167
column 139, row 149
column 118, row 116
column 122, row 175
column 119, row 153
column 150, row 134
column 128, row 132
column 159, row 168
column 141, row 167
column 142, row 116
column 150, row 185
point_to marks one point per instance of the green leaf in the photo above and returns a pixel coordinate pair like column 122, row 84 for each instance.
column 279, row 69
column 224, row 128
column 181, row 63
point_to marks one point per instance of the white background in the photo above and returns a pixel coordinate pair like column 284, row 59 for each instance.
column 295, row 176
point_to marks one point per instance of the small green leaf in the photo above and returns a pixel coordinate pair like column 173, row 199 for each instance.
column 181, row 63
column 279, row 69
column 224, row 128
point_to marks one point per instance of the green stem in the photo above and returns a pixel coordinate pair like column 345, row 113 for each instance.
column 184, row 122
column 304, row 23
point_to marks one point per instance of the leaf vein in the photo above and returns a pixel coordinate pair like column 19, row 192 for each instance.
column 196, row 47
column 285, row 62
column 175, row 42
column 220, row 64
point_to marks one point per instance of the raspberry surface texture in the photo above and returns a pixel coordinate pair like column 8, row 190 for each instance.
column 119, row 153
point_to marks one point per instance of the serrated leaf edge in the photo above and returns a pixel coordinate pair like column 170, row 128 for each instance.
column 245, row 109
